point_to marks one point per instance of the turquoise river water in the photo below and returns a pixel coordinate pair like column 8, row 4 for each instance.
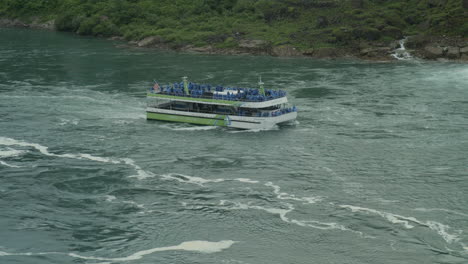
column 374, row 171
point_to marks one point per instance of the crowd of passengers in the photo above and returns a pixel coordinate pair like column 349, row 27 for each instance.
column 278, row 112
column 233, row 93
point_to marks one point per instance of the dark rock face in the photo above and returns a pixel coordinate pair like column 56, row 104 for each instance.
column 150, row 41
column 433, row 52
column 453, row 52
column 436, row 3
column 465, row 4
column 416, row 42
column 392, row 32
column 285, row 51
column 219, row 38
column 376, row 52
column 366, row 33
column 357, row 3
column 252, row 43
column 254, row 46
column 464, row 50
column 322, row 22
column 439, row 47
column 49, row 25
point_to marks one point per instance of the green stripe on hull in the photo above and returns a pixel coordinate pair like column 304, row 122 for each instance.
column 219, row 121
column 195, row 99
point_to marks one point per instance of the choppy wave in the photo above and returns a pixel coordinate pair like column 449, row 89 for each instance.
column 193, row 246
column 81, row 156
column 282, row 215
column 286, row 196
column 64, row 122
column 8, row 165
column 199, row 180
column 9, row 152
column 410, row 222
column 281, row 212
column 440, row 209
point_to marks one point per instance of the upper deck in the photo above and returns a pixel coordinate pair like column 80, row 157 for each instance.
column 207, row 94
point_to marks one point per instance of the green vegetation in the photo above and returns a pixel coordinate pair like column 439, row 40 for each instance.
column 222, row 23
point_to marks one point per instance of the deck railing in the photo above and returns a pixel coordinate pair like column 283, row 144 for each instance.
column 228, row 93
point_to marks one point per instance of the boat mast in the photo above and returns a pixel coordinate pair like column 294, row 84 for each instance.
column 186, row 90
column 260, row 84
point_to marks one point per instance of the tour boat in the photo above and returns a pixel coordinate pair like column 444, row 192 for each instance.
column 204, row 104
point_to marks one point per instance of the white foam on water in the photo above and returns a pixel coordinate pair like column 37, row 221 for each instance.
column 193, row 246
column 189, row 179
column 286, row 196
column 282, row 214
column 274, row 128
column 241, row 206
column 320, row 225
column 9, row 152
column 439, row 228
column 201, row 181
column 440, row 209
column 393, row 218
column 8, row 165
column 3, row 253
column 401, row 53
column 195, row 128
column 110, row 198
column 141, row 206
column 141, row 174
column 442, row 230
column 64, row 122
column 246, row 180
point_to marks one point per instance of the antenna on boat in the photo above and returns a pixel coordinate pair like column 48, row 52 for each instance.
column 186, row 90
column 260, row 84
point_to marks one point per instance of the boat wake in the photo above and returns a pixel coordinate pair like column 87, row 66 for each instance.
column 195, row 128
column 274, row 128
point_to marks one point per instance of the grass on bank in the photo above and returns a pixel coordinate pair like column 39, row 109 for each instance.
column 222, row 23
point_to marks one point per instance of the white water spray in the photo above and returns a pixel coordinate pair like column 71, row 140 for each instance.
column 401, row 53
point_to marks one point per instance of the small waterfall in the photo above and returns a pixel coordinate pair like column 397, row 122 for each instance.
column 401, row 53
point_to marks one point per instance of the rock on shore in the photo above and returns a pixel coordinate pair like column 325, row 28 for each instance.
column 433, row 48
column 35, row 23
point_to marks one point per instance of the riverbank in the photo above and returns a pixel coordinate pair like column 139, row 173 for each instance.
column 419, row 46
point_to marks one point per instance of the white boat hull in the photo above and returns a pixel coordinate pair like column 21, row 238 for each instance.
column 240, row 122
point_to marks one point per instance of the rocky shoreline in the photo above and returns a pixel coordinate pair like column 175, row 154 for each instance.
column 422, row 47
column 35, row 23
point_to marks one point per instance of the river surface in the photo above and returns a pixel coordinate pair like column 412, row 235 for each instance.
column 374, row 171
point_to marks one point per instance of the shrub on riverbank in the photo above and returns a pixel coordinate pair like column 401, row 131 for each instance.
column 223, row 23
